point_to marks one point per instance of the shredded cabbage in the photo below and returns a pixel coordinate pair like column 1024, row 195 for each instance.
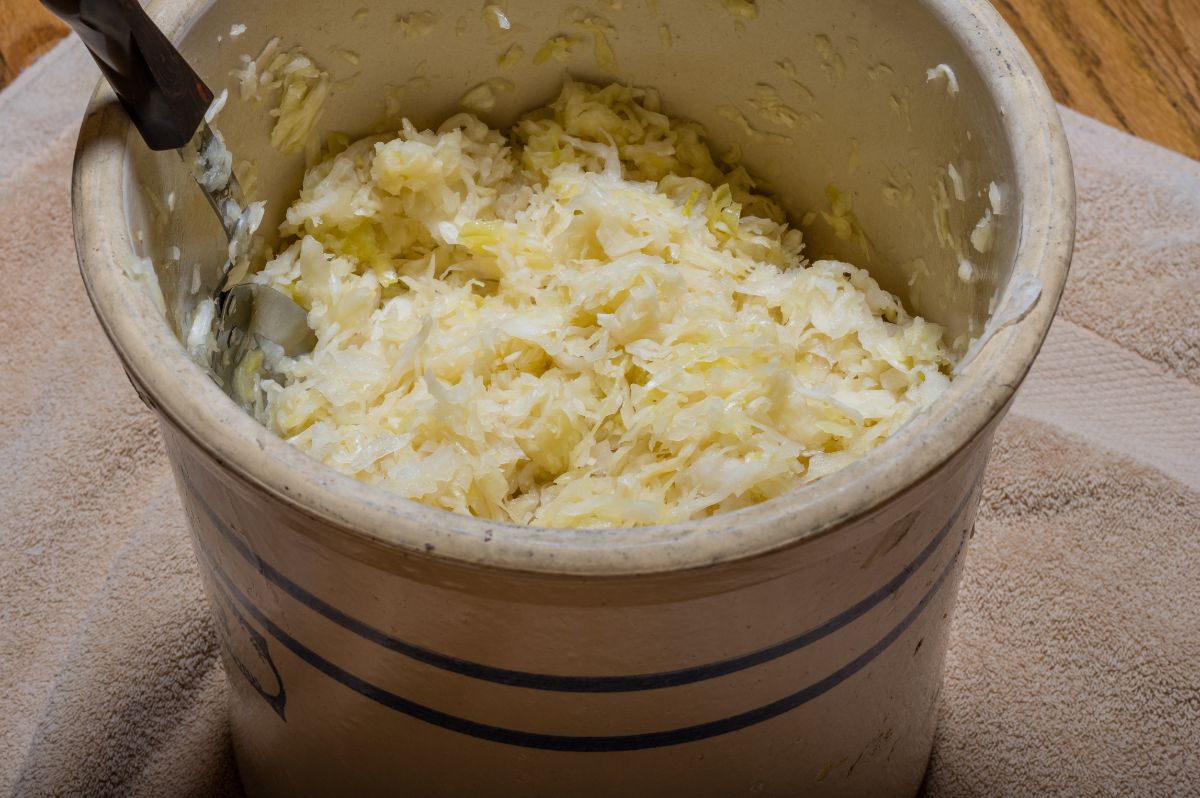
column 944, row 71
column 303, row 87
column 587, row 324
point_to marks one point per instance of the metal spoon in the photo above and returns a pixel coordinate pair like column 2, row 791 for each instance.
column 167, row 101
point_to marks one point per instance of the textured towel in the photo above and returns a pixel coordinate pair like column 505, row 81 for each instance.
column 1074, row 665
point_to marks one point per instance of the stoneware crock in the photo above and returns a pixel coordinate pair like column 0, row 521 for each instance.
column 376, row 646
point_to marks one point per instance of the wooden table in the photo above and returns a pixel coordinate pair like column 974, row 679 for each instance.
column 1134, row 64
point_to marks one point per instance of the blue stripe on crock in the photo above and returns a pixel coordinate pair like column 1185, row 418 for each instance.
column 575, row 743
column 582, row 684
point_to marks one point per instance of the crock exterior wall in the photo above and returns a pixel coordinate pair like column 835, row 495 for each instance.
column 811, row 670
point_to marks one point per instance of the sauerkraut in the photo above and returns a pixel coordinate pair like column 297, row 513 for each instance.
column 589, row 322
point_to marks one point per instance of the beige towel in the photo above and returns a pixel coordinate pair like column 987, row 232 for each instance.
column 1074, row 666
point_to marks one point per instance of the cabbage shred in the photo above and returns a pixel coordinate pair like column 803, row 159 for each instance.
column 590, row 323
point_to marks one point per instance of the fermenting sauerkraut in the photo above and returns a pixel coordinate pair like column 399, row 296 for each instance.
column 587, row 323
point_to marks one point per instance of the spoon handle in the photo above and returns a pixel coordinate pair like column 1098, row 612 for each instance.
column 162, row 94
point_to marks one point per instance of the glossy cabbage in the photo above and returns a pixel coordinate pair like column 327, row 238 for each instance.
column 589, row 323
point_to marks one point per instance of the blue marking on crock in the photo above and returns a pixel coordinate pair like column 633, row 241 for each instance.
column 576, row 743
column 258, row 647
column 584, row 684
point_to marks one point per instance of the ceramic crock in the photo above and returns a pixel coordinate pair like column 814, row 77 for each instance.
column 377, row 646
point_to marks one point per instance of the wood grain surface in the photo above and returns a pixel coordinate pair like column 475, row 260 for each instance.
column 1134, row 64
column 27, row 30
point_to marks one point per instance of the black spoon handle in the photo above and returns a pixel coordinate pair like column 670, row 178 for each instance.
column 163, row 95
